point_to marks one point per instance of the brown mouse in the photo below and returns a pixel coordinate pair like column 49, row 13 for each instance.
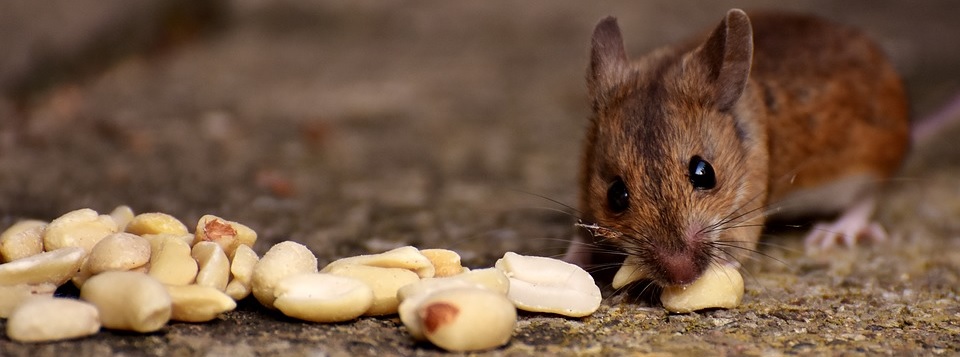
column 692, row 146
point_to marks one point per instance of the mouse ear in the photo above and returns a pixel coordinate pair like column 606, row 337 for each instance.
column 607, row 57
column 727, row 55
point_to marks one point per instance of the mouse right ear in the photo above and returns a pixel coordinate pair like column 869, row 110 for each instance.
column 727, row 55
column 608, row 58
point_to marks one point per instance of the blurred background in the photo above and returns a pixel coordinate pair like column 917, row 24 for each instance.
column 350, row 126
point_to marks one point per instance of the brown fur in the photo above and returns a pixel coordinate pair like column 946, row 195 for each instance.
column 786, row 104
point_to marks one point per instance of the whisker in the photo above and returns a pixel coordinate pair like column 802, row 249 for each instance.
column 548, row 199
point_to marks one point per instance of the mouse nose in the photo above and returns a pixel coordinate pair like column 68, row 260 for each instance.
column 680, row 269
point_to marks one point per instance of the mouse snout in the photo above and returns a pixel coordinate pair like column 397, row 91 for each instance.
column 680, row 268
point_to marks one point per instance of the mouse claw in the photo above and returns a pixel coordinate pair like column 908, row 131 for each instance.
column 853, row 227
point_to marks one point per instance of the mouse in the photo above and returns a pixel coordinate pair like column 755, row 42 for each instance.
column 691, row 147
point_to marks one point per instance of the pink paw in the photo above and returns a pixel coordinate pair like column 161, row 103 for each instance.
column 852, row 227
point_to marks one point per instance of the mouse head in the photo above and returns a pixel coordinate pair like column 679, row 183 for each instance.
column 675, row 160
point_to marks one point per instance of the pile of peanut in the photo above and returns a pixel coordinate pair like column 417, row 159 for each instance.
column 138, row 272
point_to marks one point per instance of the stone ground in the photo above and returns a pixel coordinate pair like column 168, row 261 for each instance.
column 355, row 127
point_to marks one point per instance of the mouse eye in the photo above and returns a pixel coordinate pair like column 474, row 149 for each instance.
column 618, row 199
column 701, row 174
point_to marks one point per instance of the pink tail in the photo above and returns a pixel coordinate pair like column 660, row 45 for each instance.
column 926, row 128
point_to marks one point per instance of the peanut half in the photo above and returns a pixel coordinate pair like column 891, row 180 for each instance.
column 629, row 272
column 128, row 300
column 445, row 262
column 228, row 234
column 21, row 240
column 407, row 257
column 542, row 284
column 54, row 267
column 118, row 251
column 241, row 271
column 195, row 303
column 467, row 319
column 214, row 265
column 155, row 223
column 720, row 286
column 12, row 296
column 122, row 215
column 411, row 296
column 385, row 282
column 51, row 319
column 171, row 262
column 81, row 228
column 320, row 297
column 282, row 260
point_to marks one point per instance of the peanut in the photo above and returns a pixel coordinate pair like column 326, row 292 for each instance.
column 156, row 223
column 81, row 228
column 541, row 284
column 720, row 286
column 320, row 297
column 241, row 272
column 118, row 251
column 411, row 296
column 214, row 265
column 12, row 296
column 228, row 234
column 385, row 282
column 171, row 262
column 122, row 215
column 21, row 240
column 54, row 267
column 282, row 260
column 445, row 262
column 195, row 303
column 467, row 319
column 407, row 257
column 128, row 300
column 51, row 319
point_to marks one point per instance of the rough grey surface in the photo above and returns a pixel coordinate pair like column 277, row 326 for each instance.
column 356, row 127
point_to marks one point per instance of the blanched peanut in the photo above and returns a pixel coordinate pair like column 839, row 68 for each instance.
column 214, row 265
column 171, row 262
column 407, row 257
column 122, row 215
column 492, row 279
column 629, row 272
column 156, row 223
column 128, row 300
column 320, row 297
column 81, row 228
column 412, row 295
column 118, row 251
column 241, row 271
column 383, row 281
column 51, row 319
column 467, row 319
column 445, row 262
column 12, row 296
column 54, row 267
column 228, row 234
column 282, row 260
column 195, row 303
column 21, row 240
column 542, row 284
column 720, row 286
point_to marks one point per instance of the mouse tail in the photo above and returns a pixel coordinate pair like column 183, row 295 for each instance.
column 928, row 127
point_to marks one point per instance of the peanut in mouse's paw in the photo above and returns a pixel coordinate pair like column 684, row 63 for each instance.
column 852, row 227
